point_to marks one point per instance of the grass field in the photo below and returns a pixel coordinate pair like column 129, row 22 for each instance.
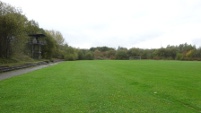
column 106, row 87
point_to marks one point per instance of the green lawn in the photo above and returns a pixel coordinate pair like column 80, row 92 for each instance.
column 106, row 87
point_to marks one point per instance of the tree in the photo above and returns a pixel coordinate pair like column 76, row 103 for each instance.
column 121, row 53
column 32, row 27
column 70, row 53
column 111, row 54
column 12, row 24
column 134, row 52
column 89, row 55
column 171, row 52
column 57, row 36
column 49, row 48
column 81, row 54
column 197, row 54
column 98, row 54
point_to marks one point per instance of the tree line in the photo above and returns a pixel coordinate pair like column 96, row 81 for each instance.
column 14, row 42
column 181, row 52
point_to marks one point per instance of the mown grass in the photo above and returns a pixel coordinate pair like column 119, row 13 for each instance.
column 106, row 86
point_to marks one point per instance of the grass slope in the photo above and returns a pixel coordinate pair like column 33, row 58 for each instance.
column 106, row 86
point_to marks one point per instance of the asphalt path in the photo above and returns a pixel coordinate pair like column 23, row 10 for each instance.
column 9, row 74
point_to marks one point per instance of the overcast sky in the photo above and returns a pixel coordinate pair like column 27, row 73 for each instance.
column 113, row 23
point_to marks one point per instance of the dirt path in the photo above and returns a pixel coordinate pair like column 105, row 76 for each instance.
column 10, row 74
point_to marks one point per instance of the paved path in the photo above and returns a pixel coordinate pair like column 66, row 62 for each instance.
column 9, row 74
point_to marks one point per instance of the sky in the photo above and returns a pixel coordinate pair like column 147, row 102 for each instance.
column 127, row 23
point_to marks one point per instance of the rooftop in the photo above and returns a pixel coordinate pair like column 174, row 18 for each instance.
column 37, row 35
